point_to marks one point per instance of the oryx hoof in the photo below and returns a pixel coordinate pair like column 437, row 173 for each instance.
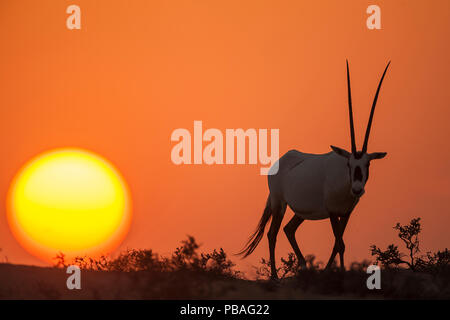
column 274, row 277
column 302, row 264
column 330, row 266
column 274, row 282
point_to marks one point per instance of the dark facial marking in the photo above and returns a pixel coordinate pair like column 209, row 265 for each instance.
column 357, row 176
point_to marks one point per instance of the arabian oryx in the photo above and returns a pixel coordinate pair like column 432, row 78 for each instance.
column 315, row 187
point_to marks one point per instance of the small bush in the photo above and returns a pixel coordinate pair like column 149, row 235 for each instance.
column 185, row 258
column 392, row 258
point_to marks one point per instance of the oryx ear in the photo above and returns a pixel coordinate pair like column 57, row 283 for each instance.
column 341, row 152
column 377, row 155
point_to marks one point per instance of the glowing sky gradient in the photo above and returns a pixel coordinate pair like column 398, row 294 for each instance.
column 138, row 70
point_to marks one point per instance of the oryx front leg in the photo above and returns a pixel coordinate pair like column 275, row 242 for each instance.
column 338, row 225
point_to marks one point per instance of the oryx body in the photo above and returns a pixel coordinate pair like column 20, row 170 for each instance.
column 315, row 187
column 312, row 185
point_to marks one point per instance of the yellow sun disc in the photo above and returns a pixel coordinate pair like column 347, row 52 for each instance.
column 70, row 201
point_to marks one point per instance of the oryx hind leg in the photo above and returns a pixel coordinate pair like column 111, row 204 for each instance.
column 278, row 211
column 289, row 230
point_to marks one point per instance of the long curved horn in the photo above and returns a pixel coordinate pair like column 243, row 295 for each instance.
column 369, row 125
column 350, row 112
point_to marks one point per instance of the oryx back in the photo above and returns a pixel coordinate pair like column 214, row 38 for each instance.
column 312, row 185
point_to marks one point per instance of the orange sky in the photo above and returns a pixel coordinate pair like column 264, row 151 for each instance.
column 137, row 70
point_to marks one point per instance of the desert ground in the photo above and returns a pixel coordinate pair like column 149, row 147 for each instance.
column 30, row 282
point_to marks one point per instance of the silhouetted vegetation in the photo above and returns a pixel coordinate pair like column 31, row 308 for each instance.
column 289, row 266
column 188, row 273
column 314, row 280
column 424, row 276
column 185, row 258
column 392, row 258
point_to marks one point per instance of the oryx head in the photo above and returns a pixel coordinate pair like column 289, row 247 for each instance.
column 358, row 161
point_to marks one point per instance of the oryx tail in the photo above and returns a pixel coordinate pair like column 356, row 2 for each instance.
column 256, row 237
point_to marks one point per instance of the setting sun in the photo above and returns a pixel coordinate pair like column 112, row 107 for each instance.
column 70, row 201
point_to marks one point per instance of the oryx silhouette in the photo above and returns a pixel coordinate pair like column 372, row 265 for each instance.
column 315, row 187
